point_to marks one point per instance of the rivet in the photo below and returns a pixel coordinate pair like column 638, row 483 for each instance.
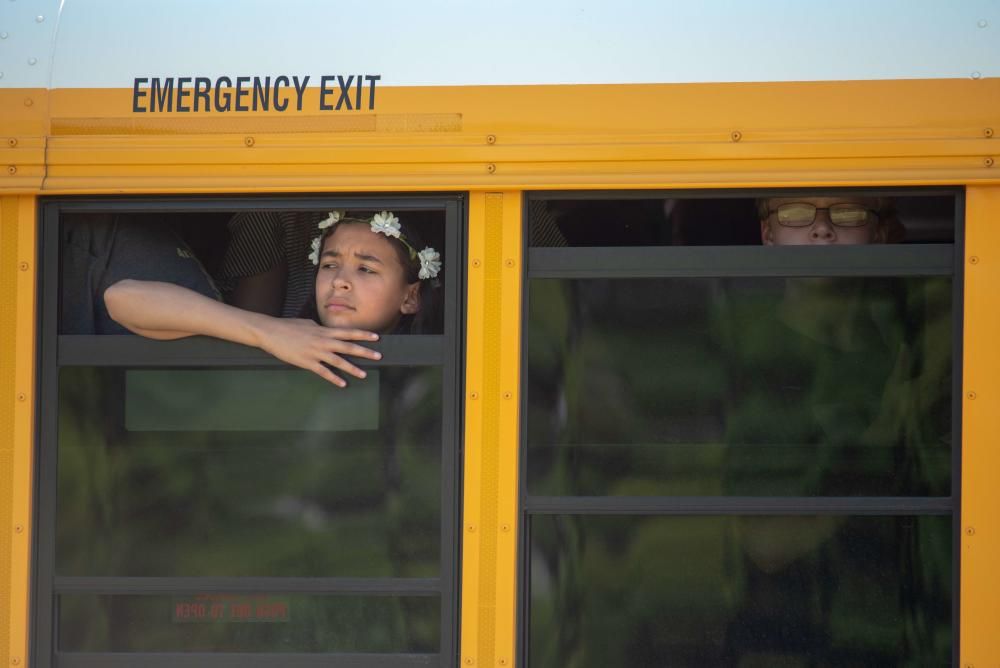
column 32, row 60
column 971, row 395
column 23, row 266
column 21, row 396
column 988, row 132
column 12, row 142
column 506, row 395
column 474, row 395
column 469, row 661
column 509, row 262
column 12, row 170
column 472, row 528
column 502, row 661
column 988, row 162
column 504, row 527
column 3, row 35
column 736, row 135
column 28, row 102
column 982, row 23
column 18, row 528
column 476, row 263
column 39, row 18
column 15, row 661
column 491, row 139
column 976, row 75
column 974, row 259
column 491, row 168
column 249, row 141
column 970, row 531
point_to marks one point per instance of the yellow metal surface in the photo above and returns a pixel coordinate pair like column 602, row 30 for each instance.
column 17, row 344
column 510, row 137
column 489, row 564
column 980, row 554
column 509, row 430
column 475, row 362
column 496, row 141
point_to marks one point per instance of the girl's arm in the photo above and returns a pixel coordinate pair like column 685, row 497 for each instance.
column 166, row 311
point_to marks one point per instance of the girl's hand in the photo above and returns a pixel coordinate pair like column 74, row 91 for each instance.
column 310, row 346
column 165, row 311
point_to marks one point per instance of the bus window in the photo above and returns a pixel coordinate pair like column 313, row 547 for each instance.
column 747, row 451
column 700, row 219
column 201, row 496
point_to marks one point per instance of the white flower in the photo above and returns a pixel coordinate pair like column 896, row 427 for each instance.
column 386, row 223
column 430, row 263
column 314, row 255
column 334, row 218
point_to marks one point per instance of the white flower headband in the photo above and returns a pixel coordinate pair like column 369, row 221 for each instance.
column 387, row 224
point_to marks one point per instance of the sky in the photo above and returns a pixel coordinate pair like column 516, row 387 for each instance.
column 107, row 43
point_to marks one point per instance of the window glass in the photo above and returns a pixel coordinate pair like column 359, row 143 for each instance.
column 248, row 623
column 192, row 491
column 740, row 591
column 246, row 400
column 740, row 386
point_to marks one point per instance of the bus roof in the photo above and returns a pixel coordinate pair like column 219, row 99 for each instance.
column 110, row 43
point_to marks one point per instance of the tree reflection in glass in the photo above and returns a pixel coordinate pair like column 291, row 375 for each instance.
column 200, row 489
column 763, row 386
column 728, row 591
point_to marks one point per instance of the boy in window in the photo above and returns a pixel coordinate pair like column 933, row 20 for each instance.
column 822, row 404
column 800, row 221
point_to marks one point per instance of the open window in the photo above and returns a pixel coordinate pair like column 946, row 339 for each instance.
column 738, row 454
column 199, row 498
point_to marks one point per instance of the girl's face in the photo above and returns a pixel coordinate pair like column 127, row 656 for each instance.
column 361, row 282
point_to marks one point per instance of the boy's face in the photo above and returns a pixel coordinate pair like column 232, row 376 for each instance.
column 790, row 226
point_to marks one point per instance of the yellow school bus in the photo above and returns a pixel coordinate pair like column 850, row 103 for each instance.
column 640, row 430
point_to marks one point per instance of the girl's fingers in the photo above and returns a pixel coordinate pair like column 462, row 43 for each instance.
column 339, row 362
column 325, row 373
column 348, row 334
column 353, row 349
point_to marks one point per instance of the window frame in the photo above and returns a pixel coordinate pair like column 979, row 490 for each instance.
column 445, row 350
column 617, row 262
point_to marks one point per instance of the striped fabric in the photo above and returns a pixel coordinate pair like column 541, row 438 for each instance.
column 260, row 240
column 544, row 229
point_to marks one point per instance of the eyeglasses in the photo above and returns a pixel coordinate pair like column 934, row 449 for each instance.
column 803, row 214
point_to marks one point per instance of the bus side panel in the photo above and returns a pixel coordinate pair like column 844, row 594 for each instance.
column 489, row 565
column 17, row 360
column 980, row 594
